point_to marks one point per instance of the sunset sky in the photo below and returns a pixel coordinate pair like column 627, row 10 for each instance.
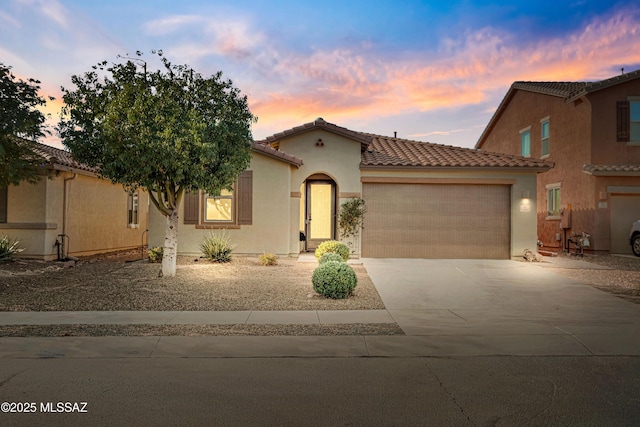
column 430, row 70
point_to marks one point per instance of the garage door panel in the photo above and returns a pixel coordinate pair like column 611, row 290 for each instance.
column 436, row 221
column 625, row 209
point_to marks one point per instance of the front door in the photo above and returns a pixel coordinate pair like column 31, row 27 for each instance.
column 320, row 212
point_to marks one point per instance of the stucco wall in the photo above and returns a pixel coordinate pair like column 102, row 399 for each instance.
column 581, row 132
column 569, row 131
column 96, row 216
column 337, row 157
column 270, row 228
column 605, row 148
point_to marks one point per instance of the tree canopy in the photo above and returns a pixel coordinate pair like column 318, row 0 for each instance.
column 20, row 124
column 170, row 130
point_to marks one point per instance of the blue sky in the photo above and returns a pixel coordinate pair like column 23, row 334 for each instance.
column 427, row 70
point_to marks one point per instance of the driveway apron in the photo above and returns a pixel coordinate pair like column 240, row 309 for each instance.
column 503, row 305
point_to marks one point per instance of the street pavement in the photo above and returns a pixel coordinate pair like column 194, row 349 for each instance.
column 487, row 343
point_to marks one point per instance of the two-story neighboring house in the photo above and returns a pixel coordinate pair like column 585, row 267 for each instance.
column 591, row 131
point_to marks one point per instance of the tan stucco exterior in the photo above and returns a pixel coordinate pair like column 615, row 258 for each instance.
column 278, row 189
column 272, row 209
column 94, row 221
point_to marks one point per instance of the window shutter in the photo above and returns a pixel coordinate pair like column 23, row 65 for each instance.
column 190, row 207
column 245, row 198
column 3, row 204
column 623, row 127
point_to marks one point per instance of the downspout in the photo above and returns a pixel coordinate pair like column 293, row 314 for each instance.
column 64, row 215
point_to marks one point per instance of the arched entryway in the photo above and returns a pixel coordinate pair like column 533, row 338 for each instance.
column 318, row 210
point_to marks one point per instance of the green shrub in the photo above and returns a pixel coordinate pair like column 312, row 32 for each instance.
column 333, row 246
column 8, row 248
column 334, row 279
column 155, row 254
column 217, row 246
column 330, row 256
column 268, row 259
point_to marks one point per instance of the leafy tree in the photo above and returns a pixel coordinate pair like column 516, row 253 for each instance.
column 168, row 131
column 19, row 119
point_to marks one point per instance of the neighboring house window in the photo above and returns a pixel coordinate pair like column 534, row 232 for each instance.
column 133, row 210
column 628, row 120
column 525, row 142
column 634, row 110
column 3, row 204
column 219, row 208
column 553, row 200
column 544, row 131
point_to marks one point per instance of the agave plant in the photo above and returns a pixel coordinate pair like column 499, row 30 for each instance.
column 9, row 247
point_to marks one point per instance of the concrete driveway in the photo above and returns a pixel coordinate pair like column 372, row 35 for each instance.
column 503, row 307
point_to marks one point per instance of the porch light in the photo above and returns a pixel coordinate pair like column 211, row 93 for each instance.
column 524, row 194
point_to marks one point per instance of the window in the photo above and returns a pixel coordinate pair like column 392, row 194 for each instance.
column 230, row 209
column 634, row 108
column 219, row 208
column 628, row 120
column 133, row 211
column 525, row 142
column 3, row 204
column 544, row 131
column 553, row 200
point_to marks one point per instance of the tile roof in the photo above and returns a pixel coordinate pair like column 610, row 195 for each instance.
column 570, row 91
column 276, row 154
column 561, row 89
column 380, row 151
column 59, row 158
column 612, row 170
column 573, row 90
column 318, row 123
column 395, row 152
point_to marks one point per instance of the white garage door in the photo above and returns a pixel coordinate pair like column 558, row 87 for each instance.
column 625, row 209
column 449, row 221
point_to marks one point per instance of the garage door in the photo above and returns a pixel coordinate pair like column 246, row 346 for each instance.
column 436, row 221
column 625, row 209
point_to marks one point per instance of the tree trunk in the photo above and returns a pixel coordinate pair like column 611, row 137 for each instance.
column 170, row 251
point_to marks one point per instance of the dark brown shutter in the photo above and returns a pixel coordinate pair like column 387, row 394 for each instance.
column 3, row 204
column 623, row 116
column 245, row 198
column 191, row 206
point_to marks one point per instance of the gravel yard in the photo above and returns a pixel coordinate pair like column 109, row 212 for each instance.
column 107, row 284
column 620, row 275
column 124, row 282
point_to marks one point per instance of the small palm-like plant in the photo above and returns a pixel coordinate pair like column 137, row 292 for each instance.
column 8, row 248
column 217, row 246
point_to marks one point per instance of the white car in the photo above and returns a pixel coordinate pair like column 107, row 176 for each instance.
column 634, row 238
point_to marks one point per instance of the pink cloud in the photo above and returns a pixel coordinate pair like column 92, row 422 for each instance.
column 345, row 83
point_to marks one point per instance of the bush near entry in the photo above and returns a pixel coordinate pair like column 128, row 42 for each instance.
column 334, row 279
column 330, row 256
column 333, row 246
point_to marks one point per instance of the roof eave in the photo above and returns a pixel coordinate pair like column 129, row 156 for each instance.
column 610, row 173
column 277, row 155
column 538, row 169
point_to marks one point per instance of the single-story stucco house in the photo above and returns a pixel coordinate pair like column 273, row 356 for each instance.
column 72, row 212
column 423, row 200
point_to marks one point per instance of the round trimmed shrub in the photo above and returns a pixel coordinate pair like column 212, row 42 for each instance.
column 330, row 256
column 333, row 246
column 334, row 279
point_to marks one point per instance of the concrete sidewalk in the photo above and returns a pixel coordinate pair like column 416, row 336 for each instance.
column 310, row 317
